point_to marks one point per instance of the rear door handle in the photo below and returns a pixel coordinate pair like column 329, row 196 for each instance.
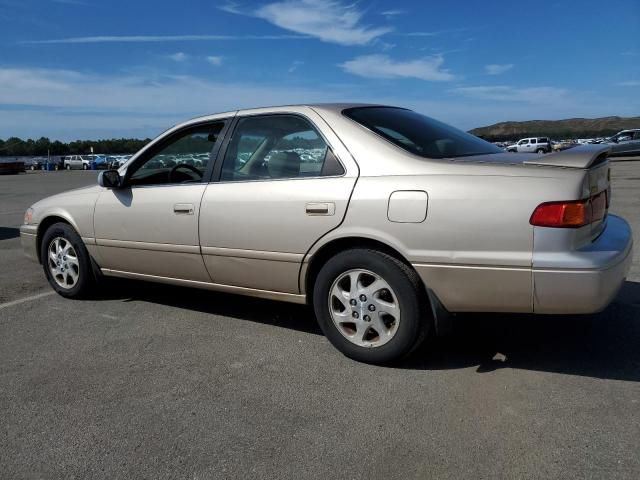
column 326, row 208
column 183, row 209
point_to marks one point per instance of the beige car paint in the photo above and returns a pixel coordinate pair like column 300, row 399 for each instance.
column 138, row 229
column 475, row 249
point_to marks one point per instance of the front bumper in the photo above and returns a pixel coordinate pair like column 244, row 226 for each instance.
column 28, row 239
column 590, row 277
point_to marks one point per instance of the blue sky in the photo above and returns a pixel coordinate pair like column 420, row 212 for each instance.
column 74, row 69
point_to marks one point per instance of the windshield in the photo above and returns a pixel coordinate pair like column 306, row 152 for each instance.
column 419, row 134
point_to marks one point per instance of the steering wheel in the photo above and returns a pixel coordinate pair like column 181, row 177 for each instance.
column 188, row 167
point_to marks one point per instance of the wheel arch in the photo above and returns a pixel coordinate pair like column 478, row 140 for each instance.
column 442, row 318
column 44, row 225
column 318, row 258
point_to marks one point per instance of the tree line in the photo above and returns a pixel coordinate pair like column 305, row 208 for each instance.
column 17, row 147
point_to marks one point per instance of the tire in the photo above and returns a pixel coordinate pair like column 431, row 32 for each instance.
column 68, row 166
column 541, row 150
column 84, row 166
column 69, row 243
column 32, row 168
column 403, row 331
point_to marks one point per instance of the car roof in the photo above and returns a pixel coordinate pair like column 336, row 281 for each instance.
column 333, row 107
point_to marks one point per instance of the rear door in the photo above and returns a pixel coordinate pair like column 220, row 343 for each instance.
column 284, row 181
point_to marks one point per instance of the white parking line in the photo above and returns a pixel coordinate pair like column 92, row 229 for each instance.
column 26, row 299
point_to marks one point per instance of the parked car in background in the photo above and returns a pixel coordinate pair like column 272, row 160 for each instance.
column 531, row 145
column 35, row 163
column 626, row 142
column 116, row 161
column 562, row 145
column 77, row 162
column 101, row 162
column 11, row 166
column 394, row 220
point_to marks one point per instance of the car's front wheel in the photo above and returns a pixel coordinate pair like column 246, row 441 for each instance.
column 371, row 306
column 66, row 261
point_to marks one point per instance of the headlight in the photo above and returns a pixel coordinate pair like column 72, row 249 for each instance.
column 28, row 216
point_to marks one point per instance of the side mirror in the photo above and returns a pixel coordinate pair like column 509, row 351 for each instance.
column 109, row 179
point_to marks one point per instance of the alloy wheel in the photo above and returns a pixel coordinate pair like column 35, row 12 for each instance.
column 364, row 308
column 63, row 262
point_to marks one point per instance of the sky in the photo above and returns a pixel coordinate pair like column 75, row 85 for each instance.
column 89, row 69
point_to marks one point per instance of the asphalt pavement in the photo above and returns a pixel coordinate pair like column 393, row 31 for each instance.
column 152, row 381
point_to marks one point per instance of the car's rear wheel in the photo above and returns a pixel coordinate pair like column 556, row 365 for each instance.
column 541, row 150
column 371, row 306
column 84, row 166
column 66, row 262
column 32, row 168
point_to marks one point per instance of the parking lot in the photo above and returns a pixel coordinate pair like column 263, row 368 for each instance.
column 152, row 381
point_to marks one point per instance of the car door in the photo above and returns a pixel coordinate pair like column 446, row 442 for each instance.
column 623, row 142
column 284, row 181
column 531, row 146
column 150, row 226
column 635, row 144
column 522, row 145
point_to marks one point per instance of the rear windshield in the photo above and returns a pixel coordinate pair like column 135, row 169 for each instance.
column 418, row 134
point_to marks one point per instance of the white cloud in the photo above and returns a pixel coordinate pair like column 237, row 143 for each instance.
column 178, row 56
column 382, row 66
column 327, row 20
column 423, row 34
column 69, row 105
column 628, row 83
column 393, row 13
column 497, row 69
column 160, row 38
column 294, row 65
column 503, row 93
column 440, row 32
column 214, row 60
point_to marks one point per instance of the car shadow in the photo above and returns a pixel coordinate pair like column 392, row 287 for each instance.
column 605, row 345
column 7, row 233
column 278, row 314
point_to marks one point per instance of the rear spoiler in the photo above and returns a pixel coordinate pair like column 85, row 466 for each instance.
column 584, row 156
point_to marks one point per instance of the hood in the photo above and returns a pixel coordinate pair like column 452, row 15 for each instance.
column 59, row 197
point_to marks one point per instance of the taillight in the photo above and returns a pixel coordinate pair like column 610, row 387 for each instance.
column 571, row 214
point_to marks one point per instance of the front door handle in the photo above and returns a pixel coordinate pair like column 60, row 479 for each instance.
column 183, row 209
column 322, row 208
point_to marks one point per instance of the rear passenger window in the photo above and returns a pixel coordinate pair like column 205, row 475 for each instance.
column 277, row 147
column 533, row 140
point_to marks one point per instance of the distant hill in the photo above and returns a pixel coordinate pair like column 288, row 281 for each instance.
column 557, row 129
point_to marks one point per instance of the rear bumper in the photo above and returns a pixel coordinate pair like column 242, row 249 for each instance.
column 588, row 279
column 28, row 239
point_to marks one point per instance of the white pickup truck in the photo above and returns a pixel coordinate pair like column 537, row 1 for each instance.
column 531, row 145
